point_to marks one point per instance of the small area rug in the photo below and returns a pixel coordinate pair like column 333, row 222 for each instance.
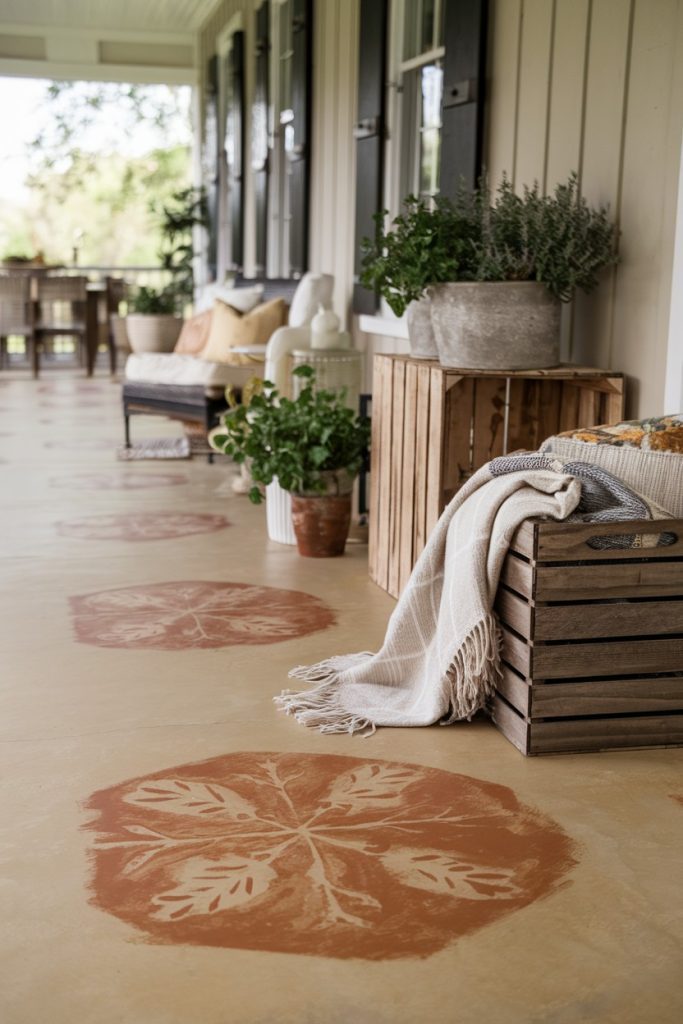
column 156, row 448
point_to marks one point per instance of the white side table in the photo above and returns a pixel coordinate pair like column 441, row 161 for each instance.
column 335, row 368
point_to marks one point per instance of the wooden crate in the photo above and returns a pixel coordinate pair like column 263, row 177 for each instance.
column 432, row 427
column 592, row 640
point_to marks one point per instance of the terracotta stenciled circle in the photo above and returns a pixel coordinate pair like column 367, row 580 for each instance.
column 117, row 481
column 319, row 854
column 196, row 614
column 141, row 526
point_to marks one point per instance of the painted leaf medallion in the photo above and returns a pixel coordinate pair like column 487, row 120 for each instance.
column 319, row 854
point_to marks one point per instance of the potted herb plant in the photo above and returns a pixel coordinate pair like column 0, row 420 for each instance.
column 313, row 445
column 493, row 270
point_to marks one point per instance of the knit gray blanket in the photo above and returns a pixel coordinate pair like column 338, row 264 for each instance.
column 440, row 659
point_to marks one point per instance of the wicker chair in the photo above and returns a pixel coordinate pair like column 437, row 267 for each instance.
column 16, row 316
column 61, row 310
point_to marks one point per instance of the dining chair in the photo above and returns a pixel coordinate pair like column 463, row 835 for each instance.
column 17, row 316
column 61, row 304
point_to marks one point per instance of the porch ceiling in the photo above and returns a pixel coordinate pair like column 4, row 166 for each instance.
column 129, row 40
column 157, row 16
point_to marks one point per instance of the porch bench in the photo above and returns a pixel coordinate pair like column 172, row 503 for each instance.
column 188, row 403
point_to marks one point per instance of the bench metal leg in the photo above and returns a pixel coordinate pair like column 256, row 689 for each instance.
column 126, row 427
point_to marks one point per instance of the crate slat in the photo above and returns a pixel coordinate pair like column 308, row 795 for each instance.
column 397, row 480
column 577, row 660
column 576, row 735
column 568, row 542
column 657, row 578
column 604, row 697
column 408, row 476
column 593, row 620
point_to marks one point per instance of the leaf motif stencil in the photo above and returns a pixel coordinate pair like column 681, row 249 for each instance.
column 208, row 887
column 449, row 875
column 371, row 785
column 319, row 854
column 179, row 796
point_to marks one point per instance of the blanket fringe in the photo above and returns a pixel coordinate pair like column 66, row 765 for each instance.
column 474, row 671
column 320, row 708
column 470, row 681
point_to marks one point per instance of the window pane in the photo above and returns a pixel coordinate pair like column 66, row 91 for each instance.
column 430, row 128
column 418, row 27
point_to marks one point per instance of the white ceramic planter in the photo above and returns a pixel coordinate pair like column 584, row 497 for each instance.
column 420, row 330
column 496, row 325
column 149, row 332
column 279, row 514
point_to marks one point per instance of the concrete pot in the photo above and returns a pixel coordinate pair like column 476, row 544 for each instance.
column 420, row 330
column 151, row 332
column 496, row 325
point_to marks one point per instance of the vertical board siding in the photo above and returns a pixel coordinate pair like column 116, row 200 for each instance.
column 567, row 90
column 586, row 85
column 503, row 79
column 589, row 85
column 534, row 79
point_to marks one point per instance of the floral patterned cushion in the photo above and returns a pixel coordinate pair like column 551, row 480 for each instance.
column 646, row 454
column 657, row 434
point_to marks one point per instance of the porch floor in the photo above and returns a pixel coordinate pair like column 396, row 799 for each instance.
column 176, row 850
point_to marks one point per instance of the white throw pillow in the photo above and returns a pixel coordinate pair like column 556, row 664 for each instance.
column 313, row 290
column 242, row 299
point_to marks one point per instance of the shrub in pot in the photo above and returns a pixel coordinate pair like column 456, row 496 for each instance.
column 494, row 268
column 313, row 445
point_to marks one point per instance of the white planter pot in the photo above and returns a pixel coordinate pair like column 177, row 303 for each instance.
column 496, row 325
column 152, row 332
column 279, row 514
column 420, row 330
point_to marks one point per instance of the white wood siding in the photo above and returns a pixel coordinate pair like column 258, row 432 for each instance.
column 586, row 85
column 592, row 86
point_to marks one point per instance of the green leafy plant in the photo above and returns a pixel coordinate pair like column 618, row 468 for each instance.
column 558, row 240
column 296, row 440
column 153, row 301
column 186, row 210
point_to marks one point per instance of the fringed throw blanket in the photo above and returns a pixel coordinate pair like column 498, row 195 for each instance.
column 440, row 657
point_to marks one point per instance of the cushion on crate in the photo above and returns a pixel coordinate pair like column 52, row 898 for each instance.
column 175, row 368
column 194, row 334
column 231, row 330
column 241, row 299
column 646, row 454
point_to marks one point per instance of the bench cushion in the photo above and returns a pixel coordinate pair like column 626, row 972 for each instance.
column 189, row 371
column 646, row 454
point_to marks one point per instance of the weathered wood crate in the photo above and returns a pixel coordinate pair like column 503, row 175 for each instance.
column 432, row 427
column 592, row 639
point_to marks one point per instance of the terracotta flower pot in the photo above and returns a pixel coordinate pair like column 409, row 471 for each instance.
column 321, row 524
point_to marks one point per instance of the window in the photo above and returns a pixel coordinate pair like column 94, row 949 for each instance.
column 417, row 78
column 281, row 117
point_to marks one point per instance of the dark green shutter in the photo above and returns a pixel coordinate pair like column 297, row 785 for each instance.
column 234, row 149
column 300, row 153
column 465, row 28
column 369, row 133
column 259, row 135
column 210, row 158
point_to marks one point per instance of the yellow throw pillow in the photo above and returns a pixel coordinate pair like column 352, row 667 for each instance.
column 230, row 330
